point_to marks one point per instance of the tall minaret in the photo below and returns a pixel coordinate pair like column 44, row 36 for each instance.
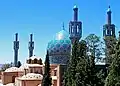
column 31, row 45
column 75, row 27
column 16, row 47
column 109, row 37
column 109, row 28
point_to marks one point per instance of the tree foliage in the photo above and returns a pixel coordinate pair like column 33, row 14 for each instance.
column 69, row 78
column 47, row 80
column 94, row 45
column 110, row 43
column 113, row 78
column 81, row 68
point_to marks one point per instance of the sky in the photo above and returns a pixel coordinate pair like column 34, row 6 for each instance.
column 44, row 19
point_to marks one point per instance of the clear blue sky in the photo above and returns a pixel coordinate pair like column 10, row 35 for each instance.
column 44, row 19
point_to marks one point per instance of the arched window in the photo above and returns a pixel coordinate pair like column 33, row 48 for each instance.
column 31, row 70
column 35, row 60
column 30, row 61
column 40, row 61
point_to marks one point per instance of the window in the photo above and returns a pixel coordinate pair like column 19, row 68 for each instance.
column 31, row 70
column 35, row 60
column 55, row 73
column 30, row 61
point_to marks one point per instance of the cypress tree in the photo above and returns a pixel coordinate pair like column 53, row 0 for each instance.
column 47, row 80
column 113, row 78
column 69, row 78
column 86, row 72
column 82, row 66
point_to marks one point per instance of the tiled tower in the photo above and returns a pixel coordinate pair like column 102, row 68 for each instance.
column 109, row 36
column 16, row 47
column 75, row 27
column 31, row 45
column 109, row 28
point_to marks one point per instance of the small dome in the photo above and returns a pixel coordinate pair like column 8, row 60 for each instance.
column 59, row 48
column 34, row 57
column 75, row 6
column 34, row 60
column 12, row 69
column 32, row 76
column 63, row 34
column 61, row 44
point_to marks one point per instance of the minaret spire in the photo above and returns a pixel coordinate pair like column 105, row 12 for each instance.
column 31, row 45
column 75, row 13
column 109, row 36
column 63, row 26
column 75, row 27
column 109, row 15
column 16, row 47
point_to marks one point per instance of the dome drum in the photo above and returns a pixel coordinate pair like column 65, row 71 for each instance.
column 59, row 59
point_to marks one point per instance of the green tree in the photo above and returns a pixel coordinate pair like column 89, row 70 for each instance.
column 82, row 66
column 47, row 80
column 110, row 43
column 69, row 78
column 86, row 74
column 113, row 78
column 94, row 44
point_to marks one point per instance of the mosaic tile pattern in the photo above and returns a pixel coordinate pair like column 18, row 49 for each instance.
column 59, row 48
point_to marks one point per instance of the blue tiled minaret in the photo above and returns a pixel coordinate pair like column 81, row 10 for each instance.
column 31, row 45
column 16, row 47
column 75, row 27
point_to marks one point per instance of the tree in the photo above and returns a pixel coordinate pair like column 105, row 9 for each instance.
column 82, row 66
column 94, row 45
column 6, row 66
column 19, row 64
column 69, row 78
column 86, row 74
column 110, row 43
column 113, row 78
column 47, row 80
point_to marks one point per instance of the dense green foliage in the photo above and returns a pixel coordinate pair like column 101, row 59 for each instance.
column 47, row 80
column 110, row 43
column 94, row 44
column 81, row 68
column 71, row 69
column 113, row 78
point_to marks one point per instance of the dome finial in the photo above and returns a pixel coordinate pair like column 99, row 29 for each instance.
column 63, row 26
column 109, row 9
column 75, row 6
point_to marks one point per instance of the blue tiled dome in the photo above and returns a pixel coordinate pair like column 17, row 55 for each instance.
column 60, row 47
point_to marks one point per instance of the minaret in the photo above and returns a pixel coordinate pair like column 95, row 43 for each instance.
column 109, row 37
column 31, row 45
column 16, row 47
column 75, row 27
column 109, row 28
